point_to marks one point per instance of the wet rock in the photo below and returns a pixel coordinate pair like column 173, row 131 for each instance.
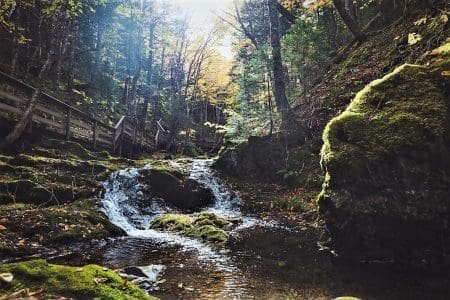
column 177, row 189
column 387, row 158
column 135, row 271
column 147, row 278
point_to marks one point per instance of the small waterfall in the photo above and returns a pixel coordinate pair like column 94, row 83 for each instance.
column 121, row 203
column 226, row 203
column 125, row 204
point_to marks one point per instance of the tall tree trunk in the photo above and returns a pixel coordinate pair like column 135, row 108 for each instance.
column 279, row 85
column 71, row 72
column 149, row 89
column 137, row 74
column 99, row 41
column 346, row 10
column 62, row 49
column 15, row 45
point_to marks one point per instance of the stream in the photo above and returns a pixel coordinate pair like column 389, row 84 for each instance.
column 263, row 260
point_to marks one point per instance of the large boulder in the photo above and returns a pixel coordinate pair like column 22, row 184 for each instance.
column 386, row 194
column 269, row 159
column 177, row 189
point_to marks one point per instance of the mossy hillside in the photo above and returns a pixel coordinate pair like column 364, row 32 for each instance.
column 404, row 109
column 55, row 175
column 30, row 229
column 381, row 53
column 207, row 227
column 88, row 282
column 47, row 196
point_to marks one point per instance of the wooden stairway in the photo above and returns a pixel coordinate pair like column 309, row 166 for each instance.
column 69, row 122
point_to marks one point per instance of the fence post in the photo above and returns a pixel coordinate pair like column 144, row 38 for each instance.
column 30, row 123
column 68, row 118
column 121, row 137
column 94, row 131
column 114, row 141
column 133, row 143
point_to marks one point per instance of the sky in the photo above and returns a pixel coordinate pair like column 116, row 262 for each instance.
column 202, row 14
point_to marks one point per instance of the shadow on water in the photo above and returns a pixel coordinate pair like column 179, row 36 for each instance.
column 261, row 261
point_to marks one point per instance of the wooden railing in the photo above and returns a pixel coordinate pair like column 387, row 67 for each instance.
column 70, row 122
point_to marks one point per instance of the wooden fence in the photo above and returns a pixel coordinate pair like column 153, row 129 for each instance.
column 70, row 122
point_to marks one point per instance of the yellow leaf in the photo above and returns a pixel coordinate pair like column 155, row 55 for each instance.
column 414, row 38
column 421, row 21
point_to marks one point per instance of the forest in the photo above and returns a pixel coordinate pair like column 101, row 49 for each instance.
column 225, row 149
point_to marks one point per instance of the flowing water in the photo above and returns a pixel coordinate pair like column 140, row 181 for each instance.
column 264, row 260
column 119, row 201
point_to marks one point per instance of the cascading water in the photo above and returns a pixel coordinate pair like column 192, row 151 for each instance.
column 123, row 200
column 121, row 204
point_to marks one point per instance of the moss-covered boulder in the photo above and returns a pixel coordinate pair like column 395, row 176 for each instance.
column 204, row 226
column 278, row 158
column 386, row 195
column 176, row 188
column 88, row 282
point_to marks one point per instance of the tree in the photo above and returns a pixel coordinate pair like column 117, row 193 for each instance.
column 279, row 85
column 347, row 12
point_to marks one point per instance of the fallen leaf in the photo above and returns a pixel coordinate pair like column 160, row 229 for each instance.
column 99, row 280
column 414, row 38
column 6, row 277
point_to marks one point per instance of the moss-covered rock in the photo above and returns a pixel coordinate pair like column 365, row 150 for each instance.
column 278, row 158
column 88, row 282
column 387, row 163
column 203, row 226
column 172, row 222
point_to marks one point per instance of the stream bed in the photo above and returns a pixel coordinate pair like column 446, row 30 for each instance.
column 263, row 260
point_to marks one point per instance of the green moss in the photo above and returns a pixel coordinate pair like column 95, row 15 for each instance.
column 208, row 233
column 207, row 218
column 172, row 222
column 88, row 282
column 403, row 113
column 202, row 226
column 75, row 221
column 403, row 109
